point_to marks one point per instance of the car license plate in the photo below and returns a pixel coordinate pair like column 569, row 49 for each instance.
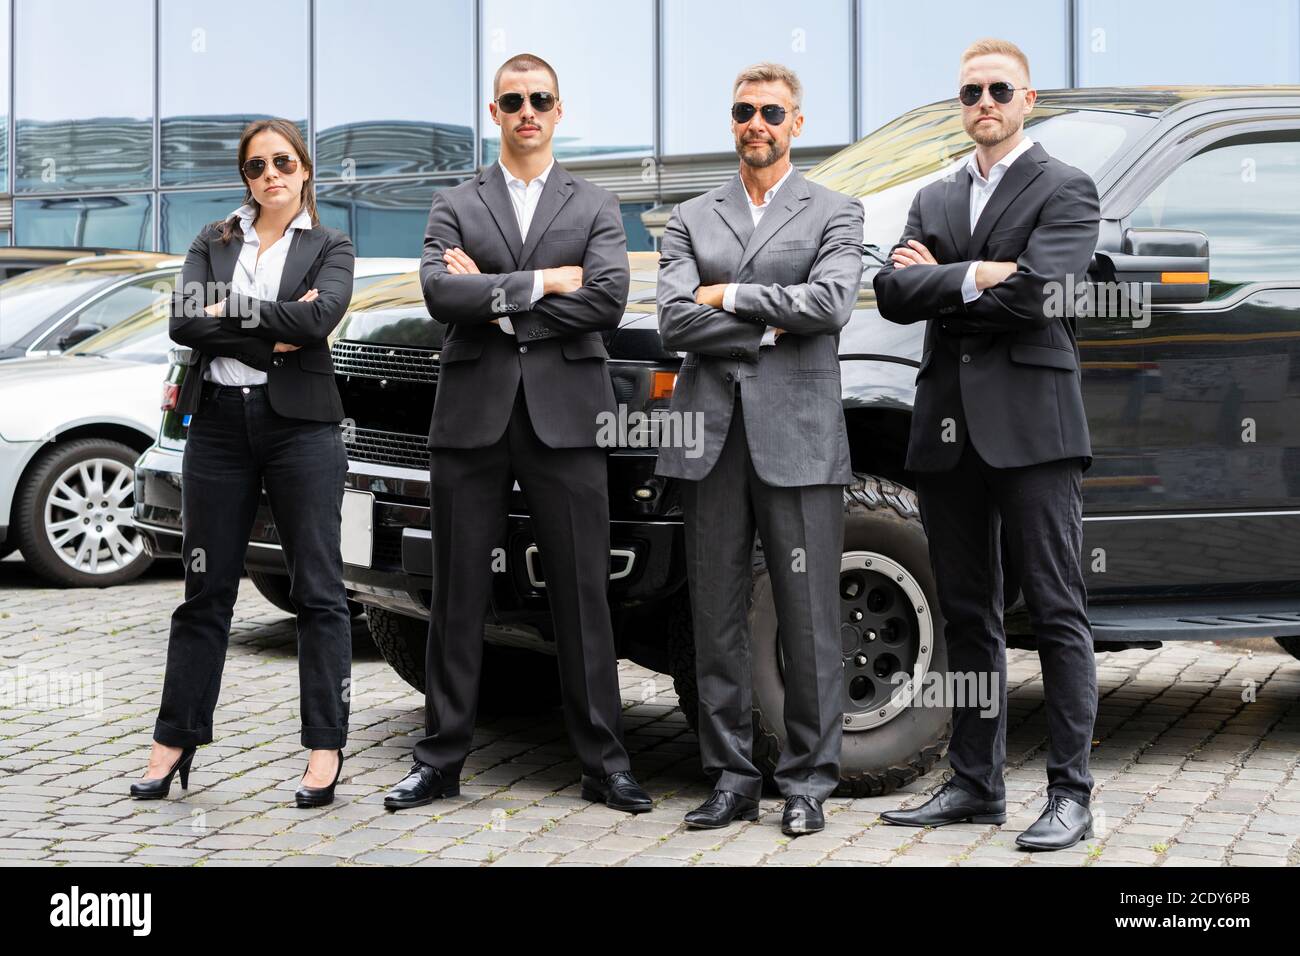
column 358, row 527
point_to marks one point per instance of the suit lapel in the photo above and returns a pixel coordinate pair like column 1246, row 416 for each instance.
column 957, row 207
column 306, row 244
column 556, row 192
column 733, row 207
column 790, row 200
column 223, row 256
column 1019, row 174
column 492, row 190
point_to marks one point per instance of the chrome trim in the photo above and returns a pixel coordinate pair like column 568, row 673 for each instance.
column 530, row 554
column 1195, row 514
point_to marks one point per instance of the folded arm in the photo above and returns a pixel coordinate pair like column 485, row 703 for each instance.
column 465, row 299
column 684, row 324
column 824, row 303
column 919, row 292
column 191, row 326
column 1060, row 245
column 300, row 322
column 598, row 304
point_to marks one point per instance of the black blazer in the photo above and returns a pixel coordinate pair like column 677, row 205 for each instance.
column 1004, row 368
column 299, row 384
column 557, row 353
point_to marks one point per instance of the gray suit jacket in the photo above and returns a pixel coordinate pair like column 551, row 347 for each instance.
column 798, row 271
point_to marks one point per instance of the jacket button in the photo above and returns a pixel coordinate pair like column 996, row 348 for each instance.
column 966, row 359
column 277, row 361
column 523, row 348
column 730, row 377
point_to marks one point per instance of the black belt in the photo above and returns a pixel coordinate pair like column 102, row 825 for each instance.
column 216, row 388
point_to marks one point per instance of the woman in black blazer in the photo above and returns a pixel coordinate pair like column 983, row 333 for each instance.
column 260, row 292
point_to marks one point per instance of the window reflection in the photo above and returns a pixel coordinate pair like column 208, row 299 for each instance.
column 1192, row 41
column 374, row 121
column 706, row 44
column 384, row 218
column 604, row 55
column 183, row 215
column 117, row 222
column 84, row 95
column 1245, row 196
column 223, row 64
column 908, row 61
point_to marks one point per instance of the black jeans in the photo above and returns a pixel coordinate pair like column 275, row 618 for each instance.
column 1041, row 507
column 236, row 444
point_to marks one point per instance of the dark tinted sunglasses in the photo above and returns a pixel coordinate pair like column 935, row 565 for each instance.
column 972, row 93
column 773, row 115
column 254, row 168
column 514, row 102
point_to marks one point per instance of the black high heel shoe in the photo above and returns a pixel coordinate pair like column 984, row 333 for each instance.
column 306, row 796
column 157, row 789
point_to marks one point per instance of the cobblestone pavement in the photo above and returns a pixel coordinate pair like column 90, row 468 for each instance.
column 1188, row 772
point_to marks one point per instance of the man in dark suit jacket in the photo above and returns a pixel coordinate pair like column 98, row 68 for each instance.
column 756, row 280
column 527, row 265
column 999, row 435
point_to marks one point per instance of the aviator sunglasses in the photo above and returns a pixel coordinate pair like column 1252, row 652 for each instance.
column 514, row 102
column 971, row 93
column 773, row 115
column 254, row 168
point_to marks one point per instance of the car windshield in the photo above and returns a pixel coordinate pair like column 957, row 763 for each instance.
column 888, row 168
column 27, row 301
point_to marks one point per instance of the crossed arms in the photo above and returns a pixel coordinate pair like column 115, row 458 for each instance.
column 913, row 287
column 575, row 300
column 821, row 305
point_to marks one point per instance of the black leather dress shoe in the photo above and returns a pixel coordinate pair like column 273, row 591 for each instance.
column 618, row 791
column 720, row 809
column 951, row 804
column 803, row 814
column 423, row 785
column 306, row 796
column 1063, row 823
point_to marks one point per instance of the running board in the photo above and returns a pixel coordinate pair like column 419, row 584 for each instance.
column 1195, row 620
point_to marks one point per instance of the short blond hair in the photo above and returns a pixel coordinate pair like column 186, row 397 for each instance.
column 766, row 72
column 993, row 46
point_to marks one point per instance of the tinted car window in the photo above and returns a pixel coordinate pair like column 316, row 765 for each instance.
column 1244, row 194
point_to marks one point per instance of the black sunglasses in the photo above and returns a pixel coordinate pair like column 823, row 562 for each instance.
column 773, row 115
column 254, row 168
column 514, row 102
column 972, row 93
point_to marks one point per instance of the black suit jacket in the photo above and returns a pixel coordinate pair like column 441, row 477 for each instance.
column 300, row 384
column 557, row 353
column 1003, row 369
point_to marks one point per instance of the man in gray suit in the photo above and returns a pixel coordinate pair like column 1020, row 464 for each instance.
column 756, row 279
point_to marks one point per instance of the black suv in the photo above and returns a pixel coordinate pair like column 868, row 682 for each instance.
column 1190, row 359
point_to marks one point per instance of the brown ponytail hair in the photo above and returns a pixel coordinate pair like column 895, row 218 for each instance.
column 230, row 226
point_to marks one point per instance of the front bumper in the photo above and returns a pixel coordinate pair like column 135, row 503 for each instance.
column 646, row 550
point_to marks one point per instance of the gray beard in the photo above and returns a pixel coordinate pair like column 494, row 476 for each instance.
column 772, row 156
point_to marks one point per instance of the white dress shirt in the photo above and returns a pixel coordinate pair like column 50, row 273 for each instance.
column 756, row 213
column 258, row 277
column 981, row 190
column 524, row 197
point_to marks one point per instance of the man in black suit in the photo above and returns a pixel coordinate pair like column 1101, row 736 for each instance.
column 527, row 265
column 999, row 437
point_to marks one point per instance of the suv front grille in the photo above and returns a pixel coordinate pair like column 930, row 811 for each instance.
column 391, row 362
column 387, row 448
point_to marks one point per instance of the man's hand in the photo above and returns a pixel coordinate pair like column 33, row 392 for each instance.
column 710, row 295
column 777, row 333
column 989, row 274
column 561, row 280
column 459, row 263
column 913, row 254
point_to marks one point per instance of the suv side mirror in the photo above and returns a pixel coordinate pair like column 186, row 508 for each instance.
column 1170, row 265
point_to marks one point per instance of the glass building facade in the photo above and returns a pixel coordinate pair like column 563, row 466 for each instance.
column 119, row 120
